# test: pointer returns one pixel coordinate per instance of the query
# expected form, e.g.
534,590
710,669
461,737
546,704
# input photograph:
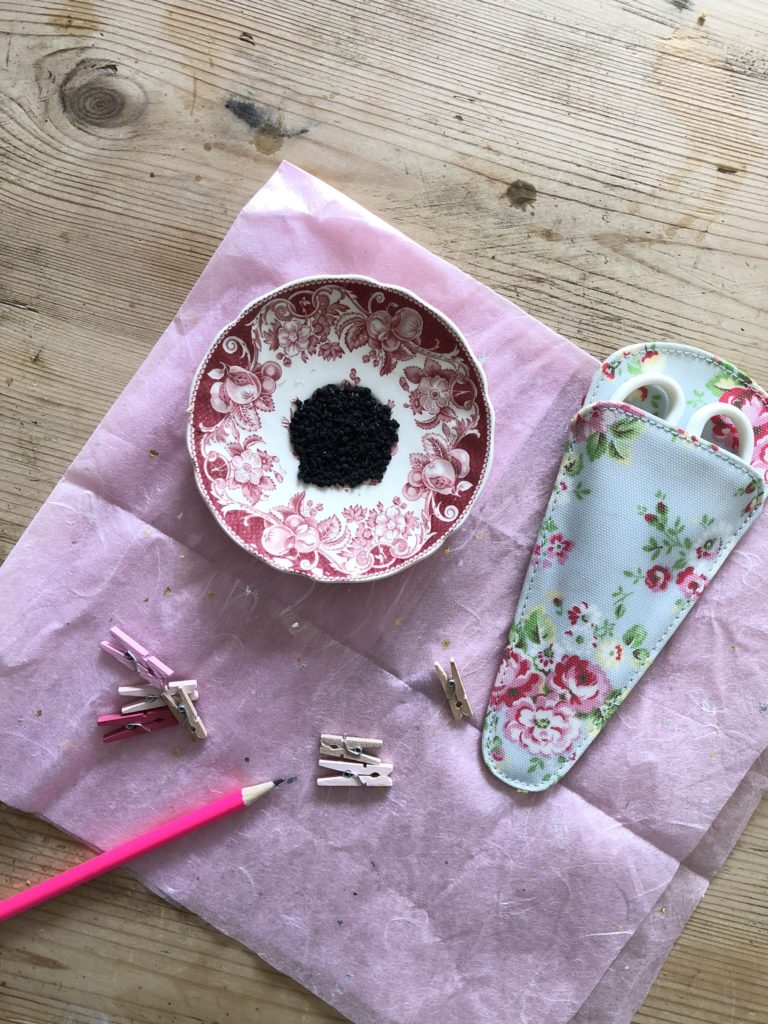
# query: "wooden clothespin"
126,726
453,688
351,773
151,697
130,652
183,710
351,747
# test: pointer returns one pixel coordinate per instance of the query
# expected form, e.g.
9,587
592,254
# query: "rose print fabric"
705,378
641,517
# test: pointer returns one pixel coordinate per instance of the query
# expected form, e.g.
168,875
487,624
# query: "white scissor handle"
737,417
673,391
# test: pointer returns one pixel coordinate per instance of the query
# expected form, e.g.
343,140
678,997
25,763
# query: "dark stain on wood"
15,304
95,95
521,194
246,37
269,125
681,5
727,169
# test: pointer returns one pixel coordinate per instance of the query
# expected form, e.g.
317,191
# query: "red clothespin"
130,652
136,724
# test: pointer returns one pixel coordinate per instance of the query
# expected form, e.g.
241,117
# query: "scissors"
676,405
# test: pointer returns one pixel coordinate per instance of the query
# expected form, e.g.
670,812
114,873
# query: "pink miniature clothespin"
128,651
132,725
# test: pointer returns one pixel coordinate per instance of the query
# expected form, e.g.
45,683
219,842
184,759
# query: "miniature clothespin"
351,747
453,688
150,697
128,651
134,725
351,773
164,700
184,711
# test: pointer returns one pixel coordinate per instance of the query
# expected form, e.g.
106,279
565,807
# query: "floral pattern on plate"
327,330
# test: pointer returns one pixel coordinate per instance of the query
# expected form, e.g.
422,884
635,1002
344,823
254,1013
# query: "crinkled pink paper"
449,898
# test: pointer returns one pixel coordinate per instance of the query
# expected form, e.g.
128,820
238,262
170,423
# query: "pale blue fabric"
641,517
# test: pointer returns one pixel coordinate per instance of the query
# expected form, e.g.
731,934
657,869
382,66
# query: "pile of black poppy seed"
342,436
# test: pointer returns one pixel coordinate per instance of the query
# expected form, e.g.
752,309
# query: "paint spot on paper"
176,751
445,643
210,593
446,550
146,599
763,705
153,453
398,622
39,713
167,591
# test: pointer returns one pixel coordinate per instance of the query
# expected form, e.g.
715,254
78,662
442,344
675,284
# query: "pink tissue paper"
449,898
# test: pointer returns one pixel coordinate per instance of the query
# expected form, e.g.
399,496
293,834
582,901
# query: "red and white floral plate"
323,330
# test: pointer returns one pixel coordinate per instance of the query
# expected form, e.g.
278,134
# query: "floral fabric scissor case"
663,471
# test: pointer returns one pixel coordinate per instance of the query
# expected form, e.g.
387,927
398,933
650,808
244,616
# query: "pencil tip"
278,782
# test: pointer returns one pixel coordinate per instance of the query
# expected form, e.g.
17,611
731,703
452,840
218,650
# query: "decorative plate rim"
483,396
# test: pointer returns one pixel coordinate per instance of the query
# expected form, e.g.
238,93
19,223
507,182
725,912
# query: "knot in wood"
95,95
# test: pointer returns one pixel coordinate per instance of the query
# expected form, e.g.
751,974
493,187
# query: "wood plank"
603,164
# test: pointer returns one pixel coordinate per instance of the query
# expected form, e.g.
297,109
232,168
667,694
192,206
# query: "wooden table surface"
602,163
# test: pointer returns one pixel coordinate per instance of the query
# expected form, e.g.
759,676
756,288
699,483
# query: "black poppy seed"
343,436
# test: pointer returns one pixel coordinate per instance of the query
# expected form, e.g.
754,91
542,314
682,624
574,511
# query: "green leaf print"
573,462
724,381
536,765
597,445
634,636
620,451
581,491
516,637
539,628
627,427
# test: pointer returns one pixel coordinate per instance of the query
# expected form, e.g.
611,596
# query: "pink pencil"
133,848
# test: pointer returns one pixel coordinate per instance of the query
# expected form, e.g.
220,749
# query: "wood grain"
601,163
